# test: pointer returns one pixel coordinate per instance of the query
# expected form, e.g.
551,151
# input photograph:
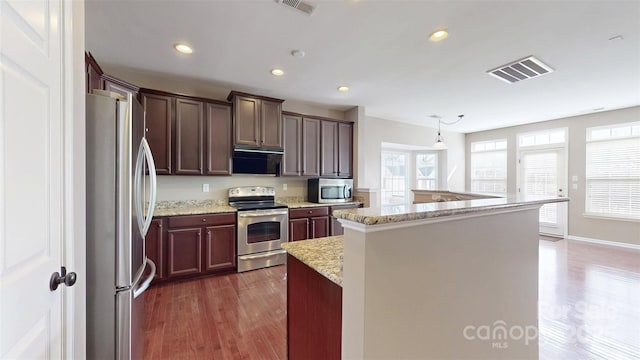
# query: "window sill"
609,217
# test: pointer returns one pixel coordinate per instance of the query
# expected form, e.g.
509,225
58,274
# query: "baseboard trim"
604,242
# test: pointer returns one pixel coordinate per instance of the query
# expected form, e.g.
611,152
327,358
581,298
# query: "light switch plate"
205,187
574,178
574,186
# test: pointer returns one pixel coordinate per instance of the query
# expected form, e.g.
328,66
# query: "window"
489,166
542,138
613,170
395,182
426,171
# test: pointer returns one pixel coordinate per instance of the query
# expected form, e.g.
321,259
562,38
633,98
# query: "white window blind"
489,166
613,171
394,186
427,171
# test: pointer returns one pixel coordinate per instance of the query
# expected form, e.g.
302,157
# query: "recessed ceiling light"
438,35
343,88
277,72
183,48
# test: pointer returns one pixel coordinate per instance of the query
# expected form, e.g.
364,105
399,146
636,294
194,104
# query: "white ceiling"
380,50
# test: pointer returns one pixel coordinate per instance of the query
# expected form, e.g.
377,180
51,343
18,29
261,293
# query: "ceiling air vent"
305,7
524,69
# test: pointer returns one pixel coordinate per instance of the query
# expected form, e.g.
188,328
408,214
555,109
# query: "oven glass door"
262,230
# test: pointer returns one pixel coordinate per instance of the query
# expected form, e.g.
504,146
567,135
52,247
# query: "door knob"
64,278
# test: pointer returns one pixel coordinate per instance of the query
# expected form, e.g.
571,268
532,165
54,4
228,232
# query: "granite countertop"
197,207
400,213
323,255
306,204
191,207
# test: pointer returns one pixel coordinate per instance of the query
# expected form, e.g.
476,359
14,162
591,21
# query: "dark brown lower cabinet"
319,227
314,314
200,244
220,249
298,229
308,223
154,243
184,252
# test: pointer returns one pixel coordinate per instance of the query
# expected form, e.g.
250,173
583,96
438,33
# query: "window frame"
612,138
473,150
436,166
407,182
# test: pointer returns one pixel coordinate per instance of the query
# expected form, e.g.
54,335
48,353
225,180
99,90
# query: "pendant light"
439,144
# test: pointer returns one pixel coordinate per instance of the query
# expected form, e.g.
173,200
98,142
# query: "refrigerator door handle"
145,285
152,183
144,220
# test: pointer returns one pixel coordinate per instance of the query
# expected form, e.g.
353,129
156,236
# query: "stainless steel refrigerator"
121,188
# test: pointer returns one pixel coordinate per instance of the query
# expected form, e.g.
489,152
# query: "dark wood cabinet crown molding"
89,59
323,118
120,82
260,97
184,96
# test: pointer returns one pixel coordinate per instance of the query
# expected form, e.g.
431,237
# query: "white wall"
579,225
372,132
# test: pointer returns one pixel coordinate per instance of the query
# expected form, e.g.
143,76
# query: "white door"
32,216
543,173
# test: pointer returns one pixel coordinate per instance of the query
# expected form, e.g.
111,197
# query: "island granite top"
401,213
323,255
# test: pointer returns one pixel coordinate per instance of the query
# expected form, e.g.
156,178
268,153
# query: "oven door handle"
259,256
260,214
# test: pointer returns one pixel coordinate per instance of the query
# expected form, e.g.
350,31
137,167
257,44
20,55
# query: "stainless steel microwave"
330,190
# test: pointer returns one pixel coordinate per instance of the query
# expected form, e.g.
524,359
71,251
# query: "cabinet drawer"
308,212
202,220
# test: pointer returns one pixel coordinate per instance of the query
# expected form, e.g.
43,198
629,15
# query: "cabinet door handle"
204,220
307,228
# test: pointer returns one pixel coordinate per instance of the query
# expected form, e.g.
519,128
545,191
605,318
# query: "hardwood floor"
236,316
589,309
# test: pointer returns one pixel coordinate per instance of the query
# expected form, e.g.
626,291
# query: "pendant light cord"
451,123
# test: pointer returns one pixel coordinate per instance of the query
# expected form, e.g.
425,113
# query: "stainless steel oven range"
263,225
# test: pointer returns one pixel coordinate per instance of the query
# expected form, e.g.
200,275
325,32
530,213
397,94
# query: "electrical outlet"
574,186
205,187
574,178
284,187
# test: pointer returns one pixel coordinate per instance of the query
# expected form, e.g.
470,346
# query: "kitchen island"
446,280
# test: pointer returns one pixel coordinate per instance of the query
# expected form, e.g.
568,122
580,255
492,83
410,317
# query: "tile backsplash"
190,187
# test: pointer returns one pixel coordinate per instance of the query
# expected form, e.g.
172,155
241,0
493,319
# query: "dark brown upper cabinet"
218,139
301,138
93,73
257,121
336,149
310,147
329,148
159,118
292,141
189,148
345,149
116,85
